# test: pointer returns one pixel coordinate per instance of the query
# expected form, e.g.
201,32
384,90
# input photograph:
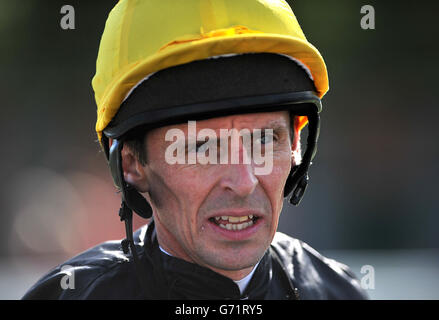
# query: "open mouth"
234,223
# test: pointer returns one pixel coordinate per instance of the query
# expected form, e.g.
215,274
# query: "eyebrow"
276,125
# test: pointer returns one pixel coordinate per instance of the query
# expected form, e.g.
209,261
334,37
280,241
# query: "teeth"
236,226
235,223
235,219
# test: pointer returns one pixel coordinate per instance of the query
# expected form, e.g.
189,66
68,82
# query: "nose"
240,179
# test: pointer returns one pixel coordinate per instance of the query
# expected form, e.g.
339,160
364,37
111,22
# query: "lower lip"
236,235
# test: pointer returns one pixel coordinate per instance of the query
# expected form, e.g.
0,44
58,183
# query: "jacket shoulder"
316,276
90,275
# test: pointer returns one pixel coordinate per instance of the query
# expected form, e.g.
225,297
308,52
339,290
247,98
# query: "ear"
296,150
133,170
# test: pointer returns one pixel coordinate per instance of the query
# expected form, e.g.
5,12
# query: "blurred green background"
374,181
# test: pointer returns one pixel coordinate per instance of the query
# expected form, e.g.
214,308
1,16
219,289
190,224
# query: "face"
222,216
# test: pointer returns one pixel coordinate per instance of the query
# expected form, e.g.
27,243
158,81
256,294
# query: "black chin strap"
126,215
298,179
131,200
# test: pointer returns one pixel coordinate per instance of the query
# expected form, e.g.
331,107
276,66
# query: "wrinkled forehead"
279,120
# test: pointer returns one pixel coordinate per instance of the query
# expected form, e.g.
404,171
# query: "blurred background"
373,193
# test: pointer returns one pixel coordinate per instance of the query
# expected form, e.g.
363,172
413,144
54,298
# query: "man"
200,108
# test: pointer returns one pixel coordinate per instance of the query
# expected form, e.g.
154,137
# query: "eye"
266,138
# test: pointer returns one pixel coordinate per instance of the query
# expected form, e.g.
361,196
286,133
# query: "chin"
234,258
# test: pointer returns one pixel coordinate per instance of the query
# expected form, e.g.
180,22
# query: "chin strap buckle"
299,190
125,214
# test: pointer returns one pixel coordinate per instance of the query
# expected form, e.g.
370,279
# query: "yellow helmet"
143,37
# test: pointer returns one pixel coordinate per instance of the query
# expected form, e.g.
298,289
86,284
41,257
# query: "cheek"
281,168
178,192
274,183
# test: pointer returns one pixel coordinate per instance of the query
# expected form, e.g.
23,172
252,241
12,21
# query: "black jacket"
290,269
